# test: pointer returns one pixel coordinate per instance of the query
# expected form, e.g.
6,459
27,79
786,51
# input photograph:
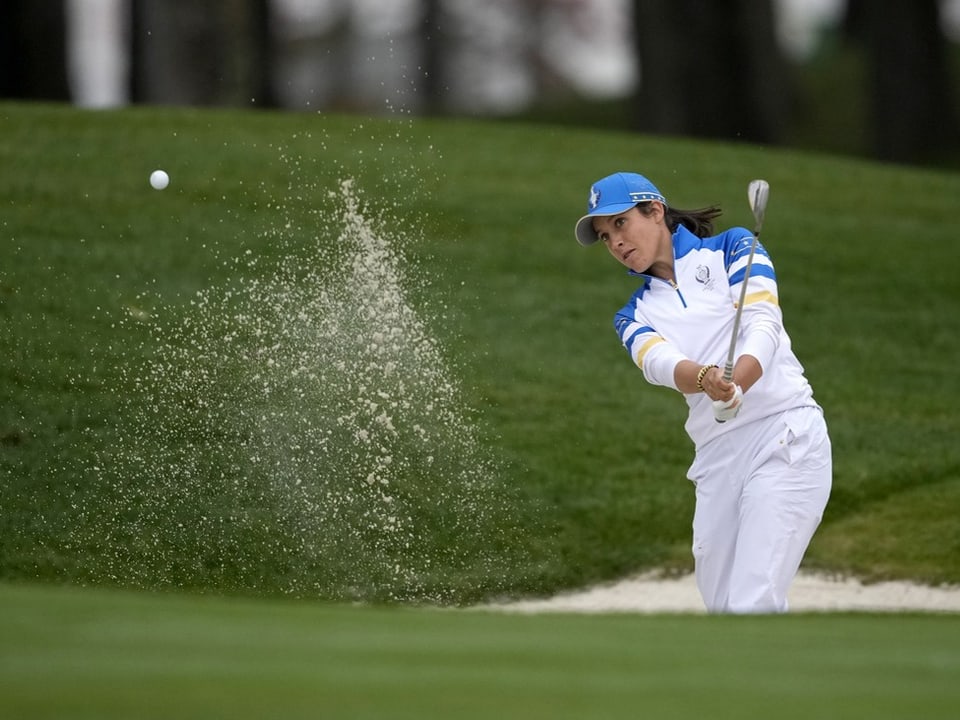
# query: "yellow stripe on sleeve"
645,348
762,296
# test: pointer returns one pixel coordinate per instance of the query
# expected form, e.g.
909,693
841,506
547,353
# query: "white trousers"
761,490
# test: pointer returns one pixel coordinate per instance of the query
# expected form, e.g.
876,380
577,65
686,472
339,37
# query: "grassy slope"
97,654
865,261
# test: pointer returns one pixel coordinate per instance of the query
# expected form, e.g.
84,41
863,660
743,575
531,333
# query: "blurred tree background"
862,77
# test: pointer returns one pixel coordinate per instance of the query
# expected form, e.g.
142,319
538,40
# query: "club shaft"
728,366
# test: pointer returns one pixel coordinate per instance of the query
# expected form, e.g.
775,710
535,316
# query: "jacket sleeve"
762,321
656,357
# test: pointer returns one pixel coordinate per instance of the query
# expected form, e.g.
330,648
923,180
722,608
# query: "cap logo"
594,198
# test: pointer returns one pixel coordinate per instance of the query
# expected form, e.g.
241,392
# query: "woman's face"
635,239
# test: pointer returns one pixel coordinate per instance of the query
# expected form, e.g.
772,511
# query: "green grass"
149,440
96,654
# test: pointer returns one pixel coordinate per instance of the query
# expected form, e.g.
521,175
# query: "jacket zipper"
679,294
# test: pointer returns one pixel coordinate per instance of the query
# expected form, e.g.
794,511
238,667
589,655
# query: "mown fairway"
95,654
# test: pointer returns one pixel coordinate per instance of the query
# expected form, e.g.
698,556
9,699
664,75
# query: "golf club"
757,193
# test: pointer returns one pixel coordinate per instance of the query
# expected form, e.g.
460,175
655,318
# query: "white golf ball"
159,179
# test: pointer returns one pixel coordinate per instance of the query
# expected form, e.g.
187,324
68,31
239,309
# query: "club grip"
728,371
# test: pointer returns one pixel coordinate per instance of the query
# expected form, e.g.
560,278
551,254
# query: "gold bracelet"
702,374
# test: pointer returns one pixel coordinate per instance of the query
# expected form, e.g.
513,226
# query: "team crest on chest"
702,276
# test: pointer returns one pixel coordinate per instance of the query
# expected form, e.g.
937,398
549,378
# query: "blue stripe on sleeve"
633,336
736,244
741,250
756,271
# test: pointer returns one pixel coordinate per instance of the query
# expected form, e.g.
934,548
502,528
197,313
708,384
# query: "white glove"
724,410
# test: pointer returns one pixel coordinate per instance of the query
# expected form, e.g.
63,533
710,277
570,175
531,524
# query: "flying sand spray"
304,418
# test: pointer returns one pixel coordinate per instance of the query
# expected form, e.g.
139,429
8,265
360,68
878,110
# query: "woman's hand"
716,387
724,410
727,395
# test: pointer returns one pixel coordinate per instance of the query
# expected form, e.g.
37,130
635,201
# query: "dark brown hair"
699,222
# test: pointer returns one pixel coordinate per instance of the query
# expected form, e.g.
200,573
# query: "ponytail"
699,222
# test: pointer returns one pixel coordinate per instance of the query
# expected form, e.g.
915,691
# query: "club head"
758,191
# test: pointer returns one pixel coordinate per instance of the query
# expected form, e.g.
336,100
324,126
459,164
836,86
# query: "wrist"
702,374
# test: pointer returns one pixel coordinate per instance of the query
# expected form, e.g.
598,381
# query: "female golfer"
762,467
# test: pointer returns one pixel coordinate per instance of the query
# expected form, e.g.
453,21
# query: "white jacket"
665,323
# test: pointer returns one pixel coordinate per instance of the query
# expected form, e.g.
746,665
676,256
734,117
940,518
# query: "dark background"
879,82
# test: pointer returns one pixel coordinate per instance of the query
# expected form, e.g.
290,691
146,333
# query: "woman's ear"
657,210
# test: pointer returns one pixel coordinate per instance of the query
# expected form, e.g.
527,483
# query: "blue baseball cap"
613,195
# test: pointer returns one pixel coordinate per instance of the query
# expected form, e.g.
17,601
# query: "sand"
651,593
